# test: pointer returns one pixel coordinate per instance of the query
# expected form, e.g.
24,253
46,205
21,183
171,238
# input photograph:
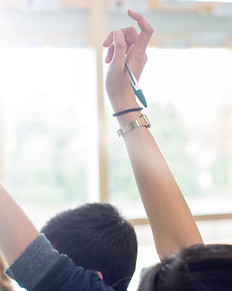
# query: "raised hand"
126,45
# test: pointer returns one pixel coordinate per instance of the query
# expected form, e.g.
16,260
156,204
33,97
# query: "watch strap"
141,121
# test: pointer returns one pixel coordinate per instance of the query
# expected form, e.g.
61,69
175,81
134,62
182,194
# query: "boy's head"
96,237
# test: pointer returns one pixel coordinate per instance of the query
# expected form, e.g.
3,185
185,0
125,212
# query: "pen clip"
135,86
131,76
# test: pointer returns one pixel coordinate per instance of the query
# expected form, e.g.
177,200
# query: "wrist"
141,121
122,105
128,111
123,101
126,118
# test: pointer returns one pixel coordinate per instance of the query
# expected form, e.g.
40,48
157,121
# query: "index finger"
146,30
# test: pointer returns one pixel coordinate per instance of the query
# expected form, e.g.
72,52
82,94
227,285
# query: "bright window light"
219,1
189,104
49,108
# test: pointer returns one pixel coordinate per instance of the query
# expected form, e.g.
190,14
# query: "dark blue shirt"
42,268
65,275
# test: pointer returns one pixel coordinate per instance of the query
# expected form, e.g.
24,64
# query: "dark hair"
96,237
197,268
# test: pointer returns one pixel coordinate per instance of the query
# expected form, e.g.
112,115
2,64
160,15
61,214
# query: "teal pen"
135,86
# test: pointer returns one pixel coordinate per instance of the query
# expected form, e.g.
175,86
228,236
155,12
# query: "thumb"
119,50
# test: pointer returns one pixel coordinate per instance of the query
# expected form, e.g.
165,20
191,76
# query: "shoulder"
66,276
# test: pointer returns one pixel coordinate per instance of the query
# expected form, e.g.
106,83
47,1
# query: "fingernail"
118,34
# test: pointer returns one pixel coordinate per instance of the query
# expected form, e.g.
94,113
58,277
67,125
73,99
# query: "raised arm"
171,221
16,230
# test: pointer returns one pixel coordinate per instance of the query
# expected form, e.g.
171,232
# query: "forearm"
170,218
16,230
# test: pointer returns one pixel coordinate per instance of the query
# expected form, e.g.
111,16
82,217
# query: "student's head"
98,238
197,268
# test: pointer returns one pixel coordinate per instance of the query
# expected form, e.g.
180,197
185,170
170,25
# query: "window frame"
98,12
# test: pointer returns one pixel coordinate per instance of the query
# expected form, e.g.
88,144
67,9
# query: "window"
189,94
50,127
50,120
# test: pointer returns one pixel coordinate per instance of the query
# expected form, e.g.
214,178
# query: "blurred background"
58,141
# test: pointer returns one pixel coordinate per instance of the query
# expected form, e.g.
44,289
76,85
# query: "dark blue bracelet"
127,111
